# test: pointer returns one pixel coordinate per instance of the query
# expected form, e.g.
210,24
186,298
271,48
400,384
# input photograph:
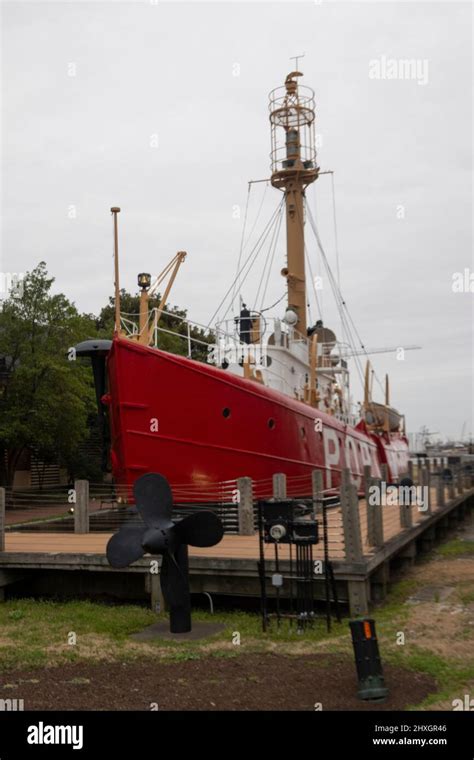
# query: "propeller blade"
202,528
153,498
125,546
174,582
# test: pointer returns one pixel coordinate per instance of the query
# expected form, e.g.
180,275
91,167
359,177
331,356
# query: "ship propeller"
162,535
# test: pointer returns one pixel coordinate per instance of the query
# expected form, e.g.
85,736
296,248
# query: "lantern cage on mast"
292,119
294,167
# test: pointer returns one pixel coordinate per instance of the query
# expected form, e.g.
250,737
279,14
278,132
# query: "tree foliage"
45,399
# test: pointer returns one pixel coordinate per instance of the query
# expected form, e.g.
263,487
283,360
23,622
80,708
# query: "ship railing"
266,327
228,337
263,328
129,324
190,339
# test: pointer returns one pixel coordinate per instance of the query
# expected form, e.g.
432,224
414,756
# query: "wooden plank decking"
231,566
231,546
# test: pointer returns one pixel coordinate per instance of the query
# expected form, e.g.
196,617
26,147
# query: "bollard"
367,657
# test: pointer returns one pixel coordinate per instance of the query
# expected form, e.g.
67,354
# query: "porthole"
226,412
271,423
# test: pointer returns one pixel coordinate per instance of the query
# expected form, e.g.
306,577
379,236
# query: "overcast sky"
87,86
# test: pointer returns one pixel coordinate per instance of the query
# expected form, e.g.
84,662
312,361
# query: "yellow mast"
293,168
115,210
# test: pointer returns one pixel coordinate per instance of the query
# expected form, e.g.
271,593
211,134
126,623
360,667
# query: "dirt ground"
246,682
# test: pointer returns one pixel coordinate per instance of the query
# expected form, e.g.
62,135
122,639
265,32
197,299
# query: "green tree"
45,398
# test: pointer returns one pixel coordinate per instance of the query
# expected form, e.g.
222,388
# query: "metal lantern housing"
292,119
144,280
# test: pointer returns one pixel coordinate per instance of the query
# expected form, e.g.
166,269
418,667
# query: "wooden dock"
366,543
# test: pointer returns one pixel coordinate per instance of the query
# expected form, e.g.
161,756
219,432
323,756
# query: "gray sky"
168,69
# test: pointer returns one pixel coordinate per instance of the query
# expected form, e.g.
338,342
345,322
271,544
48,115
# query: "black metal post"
367,657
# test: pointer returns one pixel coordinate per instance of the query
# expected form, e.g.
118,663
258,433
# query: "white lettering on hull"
352,461
332,452
358,454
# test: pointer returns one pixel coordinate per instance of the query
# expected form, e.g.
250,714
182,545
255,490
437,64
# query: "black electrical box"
286,521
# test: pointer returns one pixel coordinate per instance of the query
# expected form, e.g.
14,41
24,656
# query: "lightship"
274,394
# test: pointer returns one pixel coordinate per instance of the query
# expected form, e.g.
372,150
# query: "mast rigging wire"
242,244
274,304
242,237
269,260
254,252
342,305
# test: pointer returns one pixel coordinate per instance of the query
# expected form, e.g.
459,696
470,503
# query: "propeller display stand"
164,536
180,614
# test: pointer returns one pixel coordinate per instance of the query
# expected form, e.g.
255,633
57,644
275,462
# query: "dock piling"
350,518
246,519
374,510
279,485
426,481
318,488
440,500
81,507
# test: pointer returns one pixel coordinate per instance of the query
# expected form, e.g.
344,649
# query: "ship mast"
115,210
294,167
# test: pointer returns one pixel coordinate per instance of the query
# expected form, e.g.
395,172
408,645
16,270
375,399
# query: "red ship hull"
202,428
